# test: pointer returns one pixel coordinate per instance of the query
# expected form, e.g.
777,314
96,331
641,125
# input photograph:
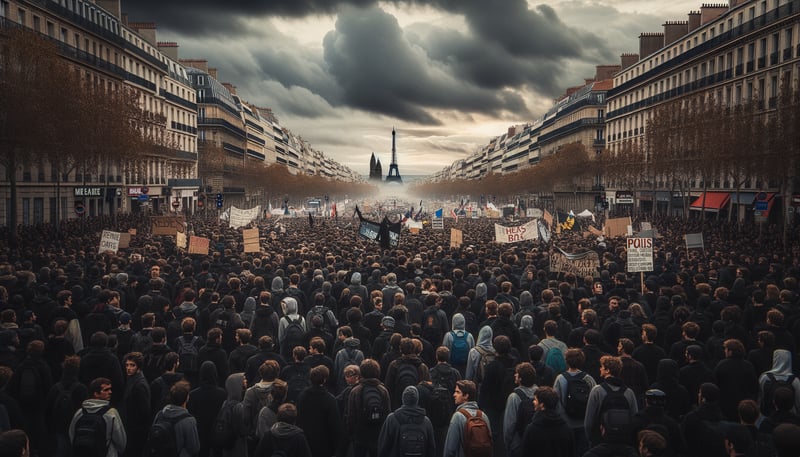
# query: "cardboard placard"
251,240
456,238
109,241
167,225
124,240
198,245
617,227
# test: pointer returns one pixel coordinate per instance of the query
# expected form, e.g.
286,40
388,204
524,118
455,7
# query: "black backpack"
224,434
292,335
161,440
187,352
29,385
406,375
614,400
577,395
770,386
63,408
90,437
525,411
440,405
431,328
411,439
296,383
373,411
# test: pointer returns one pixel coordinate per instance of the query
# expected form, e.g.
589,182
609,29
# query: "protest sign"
180,240
251,240
124,240
582,265
694,240
241,217
504,234
640,254
198,245
109,241
456,238
617,227
167,225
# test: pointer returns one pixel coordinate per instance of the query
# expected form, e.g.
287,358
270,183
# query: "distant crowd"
327,345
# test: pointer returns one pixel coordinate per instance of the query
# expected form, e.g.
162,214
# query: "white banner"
109,241
640,254
242,217
503,234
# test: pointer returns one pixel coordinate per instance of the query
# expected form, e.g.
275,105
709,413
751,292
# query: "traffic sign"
761,206
143,197
80,210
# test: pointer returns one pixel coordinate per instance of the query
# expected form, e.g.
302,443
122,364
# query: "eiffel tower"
394,173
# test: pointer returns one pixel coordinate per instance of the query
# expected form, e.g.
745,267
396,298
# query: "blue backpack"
555,360
460,348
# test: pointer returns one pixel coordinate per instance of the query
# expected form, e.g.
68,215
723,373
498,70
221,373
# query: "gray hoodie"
289,306
458,326
234,386
115,431
473,360
277,285
781,369
248,311
186,437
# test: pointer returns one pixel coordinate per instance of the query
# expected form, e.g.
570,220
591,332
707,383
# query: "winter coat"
548,434
204,403
286,437
389,440
474,357
115,430
234,386
187,437
318,416
454,442
781,369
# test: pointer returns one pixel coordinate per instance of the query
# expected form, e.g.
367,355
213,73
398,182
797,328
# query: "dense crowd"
324,344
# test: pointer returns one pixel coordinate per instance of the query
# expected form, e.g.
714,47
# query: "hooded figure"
277,293
482,348
291,328
781,371
678,397
284,437
350,354
234,386
357,289
204,403
248,311
393,441
459,341
527,337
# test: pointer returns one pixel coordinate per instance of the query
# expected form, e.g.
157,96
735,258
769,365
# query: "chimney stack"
694,20
603,72
709,12
200,64
628,60
146,30
650,43
112,6
169,49
674,31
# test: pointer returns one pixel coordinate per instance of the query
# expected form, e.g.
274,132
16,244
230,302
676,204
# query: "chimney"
735,3
112,6
674,30
231,88
694,20
709,12
147,30
603,72
650,43
169,49
213,73
200,64
627,60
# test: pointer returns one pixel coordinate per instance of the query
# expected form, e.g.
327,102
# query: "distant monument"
394,173
375,169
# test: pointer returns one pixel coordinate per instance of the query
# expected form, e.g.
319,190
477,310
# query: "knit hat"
387,322
124,318
410,396
352,342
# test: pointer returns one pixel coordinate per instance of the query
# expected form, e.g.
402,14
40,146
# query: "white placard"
109,241
528,231
640,254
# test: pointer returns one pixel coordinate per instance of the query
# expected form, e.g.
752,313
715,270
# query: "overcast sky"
447,74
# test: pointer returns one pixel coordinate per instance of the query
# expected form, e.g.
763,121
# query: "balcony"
773,58
751,65
787,54
762,62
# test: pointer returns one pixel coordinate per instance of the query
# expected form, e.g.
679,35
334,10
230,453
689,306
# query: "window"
3,8
51,29
21,16
38,210
26,211
37,23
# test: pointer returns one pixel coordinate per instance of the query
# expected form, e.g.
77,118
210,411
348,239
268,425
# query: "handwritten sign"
198,245
124,240
504,234
581,265
109,241
251,240
640,254
167,225
456,238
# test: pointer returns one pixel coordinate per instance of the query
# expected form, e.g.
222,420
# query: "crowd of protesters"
324,344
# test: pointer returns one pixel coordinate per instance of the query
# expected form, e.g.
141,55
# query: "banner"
640,254
582,265
251,240
694,240
241,217
369,230
534,213
544,232
109,241
167,225
198,245
456,238
513,234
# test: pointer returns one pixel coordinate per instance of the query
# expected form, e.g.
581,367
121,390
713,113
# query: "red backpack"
477,437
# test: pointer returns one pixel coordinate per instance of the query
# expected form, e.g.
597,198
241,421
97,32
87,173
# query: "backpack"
187,352
405,376
372,408
770,386
440,404
431,328
161,440
525,411
477,437
223,320
292,335
411,438
460,348
577,395
555,360
90,437
224,433
63,408
296,383
29,382
322,311
487,357
614,400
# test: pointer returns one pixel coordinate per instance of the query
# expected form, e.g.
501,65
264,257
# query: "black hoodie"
285,437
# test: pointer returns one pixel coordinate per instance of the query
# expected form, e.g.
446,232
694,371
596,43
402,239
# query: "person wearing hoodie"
99,399
204,403
284,437
277,294
356,288
235,386
159,388
407,430
135,410
187,308
350,354
781,371
464,396
678,397
265,317
318,414
291,328
248,311
257,397
58,415
610,372
478,306
482,349
515,410
409,369
390,290
187,431
459,341
213,352
547,434
237,360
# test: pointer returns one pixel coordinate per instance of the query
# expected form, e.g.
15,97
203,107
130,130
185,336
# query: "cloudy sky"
447,74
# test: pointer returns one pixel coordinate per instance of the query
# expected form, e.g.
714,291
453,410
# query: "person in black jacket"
547,434
30,384
97,361
318,414
237,360
701,426
205,402
391,440
285,436
135,410
497,385
266,351
212,352
736,378
60,416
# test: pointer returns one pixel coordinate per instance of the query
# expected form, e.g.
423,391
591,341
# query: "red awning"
714,201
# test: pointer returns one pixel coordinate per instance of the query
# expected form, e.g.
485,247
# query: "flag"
569,222
438,213
333,210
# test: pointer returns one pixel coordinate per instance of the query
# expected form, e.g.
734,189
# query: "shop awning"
713,201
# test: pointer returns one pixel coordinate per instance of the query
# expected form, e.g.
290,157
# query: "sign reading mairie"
88,191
